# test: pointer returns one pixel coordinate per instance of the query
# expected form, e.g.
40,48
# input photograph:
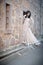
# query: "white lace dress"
28,36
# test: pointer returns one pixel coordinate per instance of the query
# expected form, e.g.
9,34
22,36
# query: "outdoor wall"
13,35
41,17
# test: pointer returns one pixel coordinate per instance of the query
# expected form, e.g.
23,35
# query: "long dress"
28,36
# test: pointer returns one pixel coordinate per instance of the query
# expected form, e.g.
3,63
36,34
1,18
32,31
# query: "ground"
28,56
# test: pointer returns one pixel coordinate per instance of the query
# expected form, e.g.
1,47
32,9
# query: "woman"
28,36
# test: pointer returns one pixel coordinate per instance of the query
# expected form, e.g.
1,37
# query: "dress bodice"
26,24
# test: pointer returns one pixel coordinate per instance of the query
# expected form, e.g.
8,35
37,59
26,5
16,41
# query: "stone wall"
13,35
41,17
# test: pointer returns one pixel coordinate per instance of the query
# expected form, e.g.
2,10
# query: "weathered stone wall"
13,35
35,9
41,17
2,16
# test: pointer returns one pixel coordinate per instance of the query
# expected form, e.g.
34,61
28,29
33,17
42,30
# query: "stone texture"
16,20
41,17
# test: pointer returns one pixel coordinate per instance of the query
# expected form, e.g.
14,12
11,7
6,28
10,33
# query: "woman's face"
28,14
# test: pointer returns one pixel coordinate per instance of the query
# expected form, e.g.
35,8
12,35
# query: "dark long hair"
25,13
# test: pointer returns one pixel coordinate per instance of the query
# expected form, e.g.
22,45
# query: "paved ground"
28,56
11,50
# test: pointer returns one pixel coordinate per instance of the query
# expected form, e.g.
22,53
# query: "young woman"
28,36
